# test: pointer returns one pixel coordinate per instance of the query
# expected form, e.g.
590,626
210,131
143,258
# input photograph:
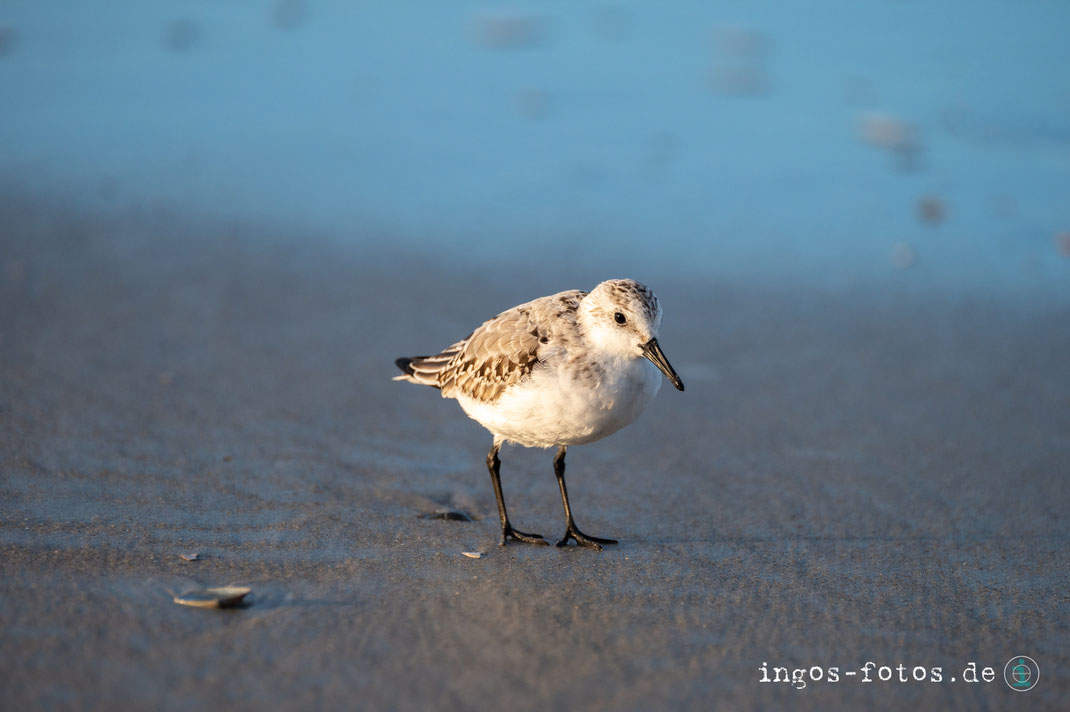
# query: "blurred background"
822,144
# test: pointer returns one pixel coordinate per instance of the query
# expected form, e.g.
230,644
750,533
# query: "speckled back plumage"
503,351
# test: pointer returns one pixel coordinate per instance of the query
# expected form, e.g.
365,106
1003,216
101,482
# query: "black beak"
653,352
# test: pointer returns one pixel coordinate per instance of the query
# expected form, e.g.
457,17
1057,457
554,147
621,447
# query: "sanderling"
562,370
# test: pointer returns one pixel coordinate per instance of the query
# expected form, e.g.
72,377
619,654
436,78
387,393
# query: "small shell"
190,557
473,554
216,597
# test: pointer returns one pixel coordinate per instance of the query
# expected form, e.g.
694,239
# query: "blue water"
726,140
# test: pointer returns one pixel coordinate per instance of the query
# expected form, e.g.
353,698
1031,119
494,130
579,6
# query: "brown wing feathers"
501,352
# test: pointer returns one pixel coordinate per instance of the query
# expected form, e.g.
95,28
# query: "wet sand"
850,476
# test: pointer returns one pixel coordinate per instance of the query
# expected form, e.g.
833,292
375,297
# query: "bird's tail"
429,370
419,369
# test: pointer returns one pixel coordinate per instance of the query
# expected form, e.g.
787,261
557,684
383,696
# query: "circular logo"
1021,673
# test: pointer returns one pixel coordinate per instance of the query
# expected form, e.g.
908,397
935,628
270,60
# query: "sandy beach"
851,477
221,223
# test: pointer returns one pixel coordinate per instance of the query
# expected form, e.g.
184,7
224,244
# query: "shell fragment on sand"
473,554
190,557
215,597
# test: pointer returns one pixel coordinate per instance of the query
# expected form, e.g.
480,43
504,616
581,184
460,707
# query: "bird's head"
622,317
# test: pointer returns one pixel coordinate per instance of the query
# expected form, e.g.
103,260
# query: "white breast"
560,406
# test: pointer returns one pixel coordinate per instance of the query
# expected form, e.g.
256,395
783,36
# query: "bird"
561,370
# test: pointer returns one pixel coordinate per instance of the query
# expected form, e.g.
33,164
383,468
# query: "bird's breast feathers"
573,405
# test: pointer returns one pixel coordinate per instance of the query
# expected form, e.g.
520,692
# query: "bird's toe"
581,539
524,537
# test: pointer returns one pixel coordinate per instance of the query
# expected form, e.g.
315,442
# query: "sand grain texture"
849,477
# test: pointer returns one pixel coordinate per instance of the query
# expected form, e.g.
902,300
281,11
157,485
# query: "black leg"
494,465
572,532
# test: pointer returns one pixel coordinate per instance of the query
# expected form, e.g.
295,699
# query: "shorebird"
562,370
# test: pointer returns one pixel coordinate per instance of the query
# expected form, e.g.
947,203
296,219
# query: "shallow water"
774,143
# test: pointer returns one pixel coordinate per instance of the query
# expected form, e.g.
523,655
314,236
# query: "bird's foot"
591,542
509,533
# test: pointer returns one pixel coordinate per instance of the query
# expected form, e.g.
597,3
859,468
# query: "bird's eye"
619,318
